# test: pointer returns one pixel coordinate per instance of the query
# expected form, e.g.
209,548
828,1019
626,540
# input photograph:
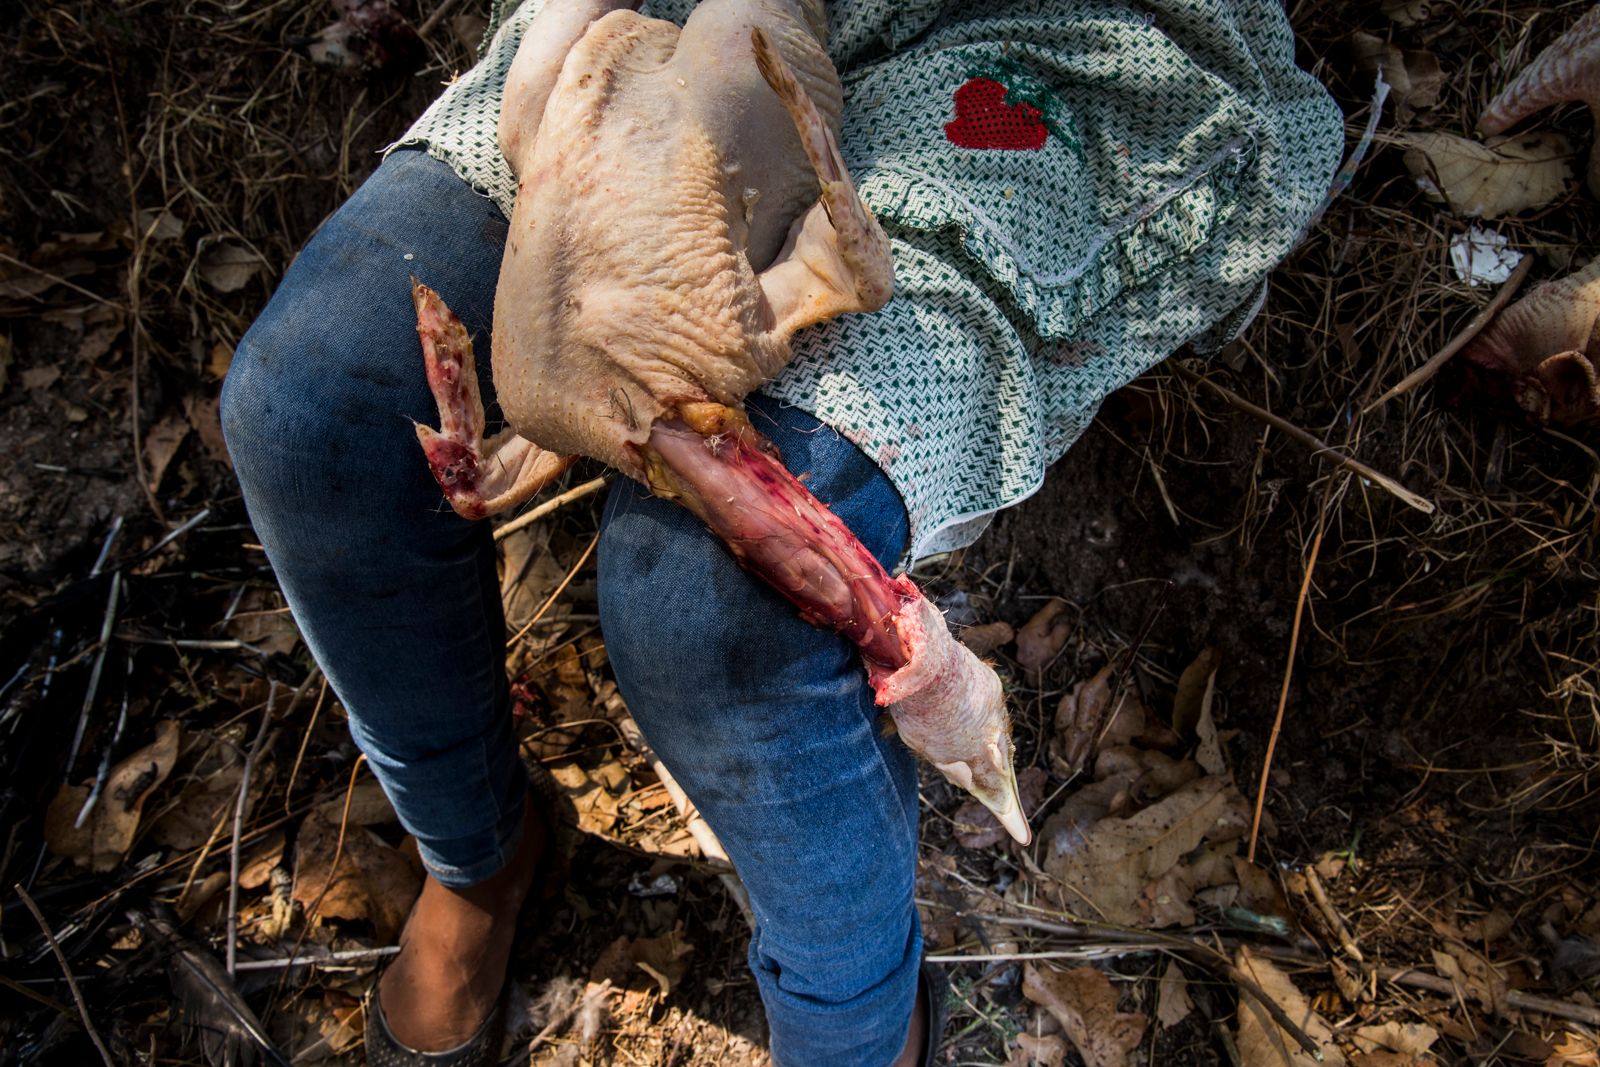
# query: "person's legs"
769,725
396,596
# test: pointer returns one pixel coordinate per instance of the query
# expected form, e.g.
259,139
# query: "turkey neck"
712,461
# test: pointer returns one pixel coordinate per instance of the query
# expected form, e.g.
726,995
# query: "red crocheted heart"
984,119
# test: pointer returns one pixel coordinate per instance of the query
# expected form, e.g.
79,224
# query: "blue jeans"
767,722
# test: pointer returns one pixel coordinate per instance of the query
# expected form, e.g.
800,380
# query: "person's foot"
455,948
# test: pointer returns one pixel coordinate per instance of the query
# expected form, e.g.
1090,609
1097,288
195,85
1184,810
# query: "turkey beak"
993,781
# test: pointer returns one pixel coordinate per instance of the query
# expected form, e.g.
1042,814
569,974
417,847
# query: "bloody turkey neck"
719,467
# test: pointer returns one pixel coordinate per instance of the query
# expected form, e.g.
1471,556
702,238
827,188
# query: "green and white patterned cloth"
1183,154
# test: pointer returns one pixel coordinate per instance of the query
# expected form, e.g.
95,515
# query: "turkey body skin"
645,211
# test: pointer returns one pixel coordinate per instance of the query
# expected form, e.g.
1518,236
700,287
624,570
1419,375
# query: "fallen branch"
72,983
1561,1009
1310,440
1501,297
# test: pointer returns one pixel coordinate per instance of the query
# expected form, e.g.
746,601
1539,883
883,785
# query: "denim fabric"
766,721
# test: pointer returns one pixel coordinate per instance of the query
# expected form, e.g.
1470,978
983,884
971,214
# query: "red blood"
984,119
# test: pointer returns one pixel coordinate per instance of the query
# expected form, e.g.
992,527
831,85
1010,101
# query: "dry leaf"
1193,684
369,806
1172,996
1410,1039
40,377
263,622
630,964
205,417
161,443
1049,1050
107,834
1575,1050
976,826
1081,722
188,822
596,807
1259,892
228,267
1414,77
1262,1043
1042,637
1119,856
1488,929
372,882
984,639
1165,901
260,861
1501,176
1085,1005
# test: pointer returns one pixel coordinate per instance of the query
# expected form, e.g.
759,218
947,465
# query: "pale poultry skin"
682,209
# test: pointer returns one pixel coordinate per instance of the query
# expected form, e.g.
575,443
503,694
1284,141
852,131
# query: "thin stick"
1283,693
238,827
57,279
1320,896
551,599
1310,440
527,519
305,738
72,983
353,955
99,665
104,773
1561,1009
434,19
1501,297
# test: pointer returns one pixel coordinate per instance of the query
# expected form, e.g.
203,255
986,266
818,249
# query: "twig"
1283,692
104,773
221,645
434,19
551,599
178,531
527,519
1501,297
1561,1009
72,983
57,279
1310,440
99,666
305,737
588,997
105,547
353,955
135,319
238,826
333,867
1144,941
1336,921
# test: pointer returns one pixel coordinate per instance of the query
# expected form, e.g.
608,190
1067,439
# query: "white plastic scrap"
1481,257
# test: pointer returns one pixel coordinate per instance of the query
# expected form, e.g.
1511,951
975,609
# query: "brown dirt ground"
1441,725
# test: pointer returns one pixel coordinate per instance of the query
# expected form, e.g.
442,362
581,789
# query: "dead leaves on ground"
1085,1004
100,839
1499,176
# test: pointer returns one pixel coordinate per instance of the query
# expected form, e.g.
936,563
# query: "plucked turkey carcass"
682,209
